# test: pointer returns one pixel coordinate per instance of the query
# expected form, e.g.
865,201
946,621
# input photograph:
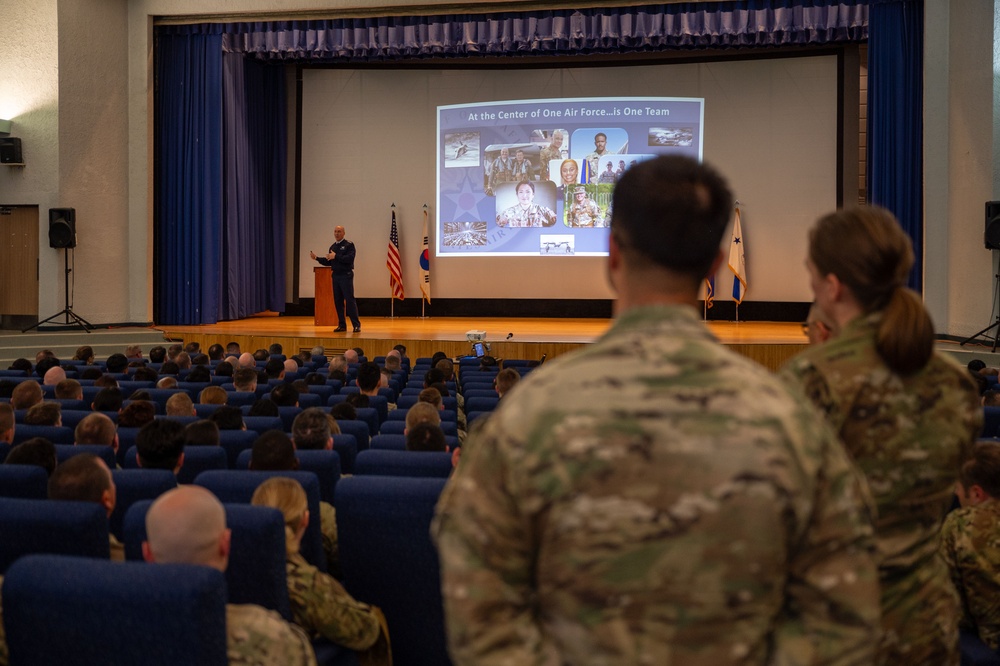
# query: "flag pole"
425,272
392,299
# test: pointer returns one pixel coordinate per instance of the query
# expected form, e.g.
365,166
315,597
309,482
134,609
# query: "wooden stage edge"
768,343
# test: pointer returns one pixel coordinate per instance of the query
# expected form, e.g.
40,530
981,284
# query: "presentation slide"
536,177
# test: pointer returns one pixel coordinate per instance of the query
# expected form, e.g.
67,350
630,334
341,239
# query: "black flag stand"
996,322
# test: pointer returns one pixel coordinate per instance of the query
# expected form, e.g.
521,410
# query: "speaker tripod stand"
996,323
68,310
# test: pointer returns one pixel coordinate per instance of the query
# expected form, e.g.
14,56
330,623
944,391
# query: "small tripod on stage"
996,322
68,310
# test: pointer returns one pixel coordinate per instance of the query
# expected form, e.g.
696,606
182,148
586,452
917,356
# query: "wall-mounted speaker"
62,227
10,150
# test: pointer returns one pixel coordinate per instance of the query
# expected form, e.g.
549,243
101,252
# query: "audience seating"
389,560
472,416
237,486
478,404
346,446
261,424
113,612
359,429
235,441
402,463
974,652
197,459
24,481
991,422
134,485
55,434
324,463
256,571
51,526
66,451
388,442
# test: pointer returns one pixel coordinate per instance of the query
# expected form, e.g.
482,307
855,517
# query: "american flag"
392,262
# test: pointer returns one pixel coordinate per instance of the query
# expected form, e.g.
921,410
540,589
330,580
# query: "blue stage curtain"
253,260
187,230
895,117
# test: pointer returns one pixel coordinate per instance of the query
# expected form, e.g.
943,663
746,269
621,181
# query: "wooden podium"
326,314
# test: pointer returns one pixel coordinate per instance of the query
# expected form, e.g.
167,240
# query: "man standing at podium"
341,259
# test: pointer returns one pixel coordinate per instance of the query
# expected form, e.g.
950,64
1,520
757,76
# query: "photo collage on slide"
536,178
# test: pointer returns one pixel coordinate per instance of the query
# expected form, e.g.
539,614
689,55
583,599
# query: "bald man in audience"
86,478
180,404
351,356
96,428
54,375
247,360
6,423
69,389
187,525
26,394
338,368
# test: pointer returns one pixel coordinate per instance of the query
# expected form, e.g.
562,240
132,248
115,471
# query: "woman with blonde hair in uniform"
907,415
320,604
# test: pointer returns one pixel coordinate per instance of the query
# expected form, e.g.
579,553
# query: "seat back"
24,481
66,451
238,486
33,526
234,441
388,559
55,434
169,614
389,442
133,485
256,570
324,463
403,463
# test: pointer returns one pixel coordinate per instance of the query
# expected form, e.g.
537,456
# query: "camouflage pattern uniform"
258,636
117,549
322,607
970,545
548,154
909,437
532,216
521,170
328,534
584,214
656,499
500,172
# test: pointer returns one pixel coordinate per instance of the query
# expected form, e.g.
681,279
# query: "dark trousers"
343,293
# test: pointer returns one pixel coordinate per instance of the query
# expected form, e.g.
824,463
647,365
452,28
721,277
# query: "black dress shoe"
340,329
357,329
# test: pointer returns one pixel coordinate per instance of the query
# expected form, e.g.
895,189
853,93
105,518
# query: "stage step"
105,341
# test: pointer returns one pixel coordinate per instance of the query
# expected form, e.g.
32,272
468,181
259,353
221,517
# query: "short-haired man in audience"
192,347
43,354
285,395
157,354
53,376
505,380
275,369
187,525
319,355
247,360
26,394
46,364
160,445
136,414
970,543
212,395
422,412
7,425
106,381
97,429
636,525
338,368
369,377
351,356
108,400
433,396
393,361
180,404
228,417
69,389
117,363
991,398
203,432
173,350
233,349
44,414
36,451
292,366
310,432
245,380
86,478
426,437
133,352
215,352
166,382
183,361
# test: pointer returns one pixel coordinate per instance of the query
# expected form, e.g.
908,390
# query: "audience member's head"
819,327
6,423
160,445
369,376
69,389
84,353
285,395
315,379
26,394
979,479
171,368
358,400
180,404
133,352
351,356
42,354
401,349
136,414
167,383
433,376
46,364
991,398
233,348
432,396
44,414
287,496
225,369
319,355
215,352
96,428
393,363
35,451
425,437
275,350
117,363
441,388
245,380
228,417
505,381
422,412
106,381
199,375
145,374
21,364
140,394
173,350
157,354
292,365
338,368
212,395
446,366
980,381
91,373
273,451
260,355
247,360
203,432
274,368
83,478
108,400
192,347
187,525
264,407
311,430
437,356
54,375
344,411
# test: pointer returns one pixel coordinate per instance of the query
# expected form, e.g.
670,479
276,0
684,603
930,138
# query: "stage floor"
770,343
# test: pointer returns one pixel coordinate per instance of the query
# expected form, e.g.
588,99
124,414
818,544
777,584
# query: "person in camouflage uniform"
654,498
907,415
501,171
970,543
526,213
521,168
551,152
320,604
584,212
187,525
